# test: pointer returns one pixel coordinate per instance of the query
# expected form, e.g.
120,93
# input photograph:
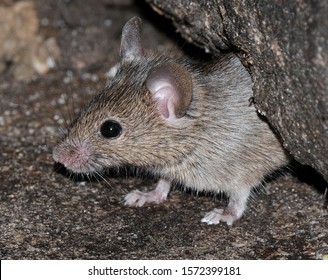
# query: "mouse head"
141,118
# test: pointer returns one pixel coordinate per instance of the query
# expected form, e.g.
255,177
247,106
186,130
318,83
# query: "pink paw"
158,195
138,198
220,215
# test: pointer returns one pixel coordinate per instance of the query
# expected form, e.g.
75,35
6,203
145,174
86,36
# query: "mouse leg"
234,210
159,194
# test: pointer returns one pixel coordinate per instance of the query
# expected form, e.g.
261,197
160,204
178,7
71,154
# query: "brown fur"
220,144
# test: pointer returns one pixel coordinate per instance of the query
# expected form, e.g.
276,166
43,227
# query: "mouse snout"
74,157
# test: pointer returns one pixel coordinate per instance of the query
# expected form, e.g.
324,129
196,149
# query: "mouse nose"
73,157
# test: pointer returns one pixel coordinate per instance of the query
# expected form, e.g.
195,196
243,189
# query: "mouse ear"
131,47
171,88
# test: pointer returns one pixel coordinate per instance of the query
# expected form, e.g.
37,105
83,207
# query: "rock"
23,52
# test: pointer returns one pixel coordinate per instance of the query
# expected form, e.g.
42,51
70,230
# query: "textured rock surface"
45,215
23,51
284,44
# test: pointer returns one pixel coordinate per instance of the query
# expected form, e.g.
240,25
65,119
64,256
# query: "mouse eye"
110,129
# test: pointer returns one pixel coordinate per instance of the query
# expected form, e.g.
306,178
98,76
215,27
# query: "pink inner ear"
165,94
165,101
171,87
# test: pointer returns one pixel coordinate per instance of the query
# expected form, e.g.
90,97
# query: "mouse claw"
138,198
158,195
219,215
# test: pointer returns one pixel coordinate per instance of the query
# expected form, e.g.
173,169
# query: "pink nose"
73,157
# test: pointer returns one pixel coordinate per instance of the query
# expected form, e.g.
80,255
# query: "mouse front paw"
138,198
220,215
158,195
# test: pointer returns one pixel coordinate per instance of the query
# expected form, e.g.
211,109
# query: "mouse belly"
235,180
237,192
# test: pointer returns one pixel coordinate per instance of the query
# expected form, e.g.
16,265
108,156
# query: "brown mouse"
188,123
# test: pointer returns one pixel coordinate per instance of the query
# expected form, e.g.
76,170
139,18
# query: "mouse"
186,122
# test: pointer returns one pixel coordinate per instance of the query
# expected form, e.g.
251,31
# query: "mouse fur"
185,122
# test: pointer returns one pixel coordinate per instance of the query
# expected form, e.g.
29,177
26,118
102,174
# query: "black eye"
110,129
